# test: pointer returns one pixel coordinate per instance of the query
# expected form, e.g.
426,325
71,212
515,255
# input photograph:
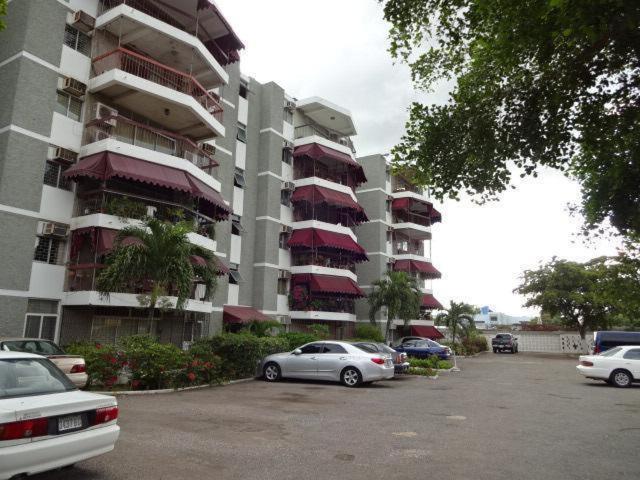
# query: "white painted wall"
236,248
286,214
56,204
75,64
287,131
283,304
47,281
65,132
232,297
241,155
238,200
243,110
284,259
287,172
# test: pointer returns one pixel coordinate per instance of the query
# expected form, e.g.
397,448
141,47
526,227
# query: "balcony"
168,97
323,262
310,130
417,227
327,115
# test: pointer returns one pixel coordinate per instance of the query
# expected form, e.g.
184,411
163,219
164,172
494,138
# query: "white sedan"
45,421
619,366
327,360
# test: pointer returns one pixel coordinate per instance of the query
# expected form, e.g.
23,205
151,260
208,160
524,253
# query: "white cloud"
338,50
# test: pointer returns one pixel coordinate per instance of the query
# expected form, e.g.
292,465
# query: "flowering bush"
104,362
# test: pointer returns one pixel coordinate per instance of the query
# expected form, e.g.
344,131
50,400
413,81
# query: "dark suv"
504,342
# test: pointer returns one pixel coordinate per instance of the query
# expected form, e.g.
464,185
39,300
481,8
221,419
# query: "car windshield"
611,352
41,347
23,377
386,349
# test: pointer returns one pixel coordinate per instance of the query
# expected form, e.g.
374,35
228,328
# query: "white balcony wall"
56,204
234,291
238,200
243,110
283,305
74,64
65,132
287,172
47,281
286,214
241,155
236,248
287,131
284,259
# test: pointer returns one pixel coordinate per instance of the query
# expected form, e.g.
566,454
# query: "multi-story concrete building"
117,110
397,236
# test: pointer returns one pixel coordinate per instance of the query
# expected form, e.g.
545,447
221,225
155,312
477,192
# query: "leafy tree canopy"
3,12
553,83
593,295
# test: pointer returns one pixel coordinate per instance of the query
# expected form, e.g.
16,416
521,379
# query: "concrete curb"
169,390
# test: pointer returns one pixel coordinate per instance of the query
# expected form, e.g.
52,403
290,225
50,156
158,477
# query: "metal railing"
149,69
129,131
310,130
342,262
320,304
412,218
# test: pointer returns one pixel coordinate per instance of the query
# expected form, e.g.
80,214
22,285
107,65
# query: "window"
41,347
24,377
234,276
243,90
288,116
69,106
41,319
333,348
633,354
388,206
287,156
285,197
236,226
77,40
283,239
242,133
48,250
238,178
312,348
53,175
283,286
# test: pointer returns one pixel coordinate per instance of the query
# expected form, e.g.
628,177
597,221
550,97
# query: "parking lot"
505,416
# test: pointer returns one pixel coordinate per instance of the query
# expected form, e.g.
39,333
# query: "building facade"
397,238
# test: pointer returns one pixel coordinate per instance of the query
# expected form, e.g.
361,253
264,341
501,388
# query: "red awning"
316,238
240,314
425,268
328,284
429,302
315,194
411,205
320,152
107,165
101,239
435,215
426,331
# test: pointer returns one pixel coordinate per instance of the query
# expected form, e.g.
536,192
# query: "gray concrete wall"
12,315
546,342
17,246
375,169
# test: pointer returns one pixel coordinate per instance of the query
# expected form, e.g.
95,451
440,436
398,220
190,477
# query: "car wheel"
621,378
495,350
271,372
351,377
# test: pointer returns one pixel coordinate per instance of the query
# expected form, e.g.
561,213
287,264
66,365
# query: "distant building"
489,319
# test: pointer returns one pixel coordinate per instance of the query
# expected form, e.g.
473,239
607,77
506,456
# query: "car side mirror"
297,351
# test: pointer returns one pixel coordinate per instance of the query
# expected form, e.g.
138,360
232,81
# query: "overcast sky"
338,50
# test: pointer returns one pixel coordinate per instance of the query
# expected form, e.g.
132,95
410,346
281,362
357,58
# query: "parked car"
45,421
424,349
504,342
618,366
400,363
73,366
335,361
603,341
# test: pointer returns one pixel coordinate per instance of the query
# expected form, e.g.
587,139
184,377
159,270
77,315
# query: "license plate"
69,423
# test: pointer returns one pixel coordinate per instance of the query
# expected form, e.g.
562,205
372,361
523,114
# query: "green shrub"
103,362
444,365
152,364
426,372
240,352
297,339
433,362
369,332
320,330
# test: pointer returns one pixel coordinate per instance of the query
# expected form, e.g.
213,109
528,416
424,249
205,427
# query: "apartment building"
396,238
117,110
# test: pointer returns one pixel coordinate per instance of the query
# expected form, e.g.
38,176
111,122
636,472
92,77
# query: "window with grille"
242,133
69,106
288,116
283,239
238,178
287,156
49,250
41,319
285,197
234,277
283,286
243,91
53,175
74,38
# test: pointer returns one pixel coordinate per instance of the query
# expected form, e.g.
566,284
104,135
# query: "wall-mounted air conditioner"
284,274
105,113
64,155
72,86
287,145
288,186
289,105
83,21
55,229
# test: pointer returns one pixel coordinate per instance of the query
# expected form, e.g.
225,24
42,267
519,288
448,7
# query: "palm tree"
159,258
458,315
398,292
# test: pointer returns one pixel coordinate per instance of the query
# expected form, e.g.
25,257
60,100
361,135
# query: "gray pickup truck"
504,342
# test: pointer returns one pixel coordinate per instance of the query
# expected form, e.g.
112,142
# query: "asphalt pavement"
503,416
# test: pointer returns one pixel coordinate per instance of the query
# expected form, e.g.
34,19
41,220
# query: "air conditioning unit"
286,229
285,320
73,86
64,155
83,21
105,113
208,148
288,186
284,274
55,229
343,141
287,145
289,105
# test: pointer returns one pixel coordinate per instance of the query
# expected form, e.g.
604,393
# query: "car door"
331,361
632,361
304,365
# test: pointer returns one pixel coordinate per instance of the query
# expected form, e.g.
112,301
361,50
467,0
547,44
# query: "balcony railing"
149,69
129,131
309,130
138,207
342,262
412,218
319,304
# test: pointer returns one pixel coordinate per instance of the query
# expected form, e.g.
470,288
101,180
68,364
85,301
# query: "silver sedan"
328,360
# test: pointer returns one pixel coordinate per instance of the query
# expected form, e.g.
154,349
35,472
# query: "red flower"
208,365
98,346
191,376
113,360
195,363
